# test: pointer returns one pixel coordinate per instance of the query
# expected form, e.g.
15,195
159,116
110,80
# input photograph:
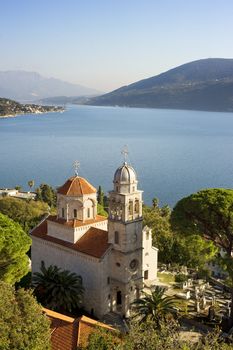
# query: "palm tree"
31,184
156,307
57,289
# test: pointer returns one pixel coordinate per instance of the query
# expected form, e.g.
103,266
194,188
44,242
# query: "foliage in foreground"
14,244
145,336
58,289
23,326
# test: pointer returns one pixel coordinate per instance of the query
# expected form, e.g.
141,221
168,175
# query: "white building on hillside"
113,256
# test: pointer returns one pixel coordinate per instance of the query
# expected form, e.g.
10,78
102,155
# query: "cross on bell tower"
125,153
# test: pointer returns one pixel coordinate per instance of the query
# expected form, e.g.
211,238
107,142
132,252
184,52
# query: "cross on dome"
76,167
125,153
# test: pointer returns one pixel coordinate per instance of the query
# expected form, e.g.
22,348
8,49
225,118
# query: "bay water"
174,152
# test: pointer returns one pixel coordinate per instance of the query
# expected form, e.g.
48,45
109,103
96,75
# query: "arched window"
136,206
75,213
116,237
63,212
130,208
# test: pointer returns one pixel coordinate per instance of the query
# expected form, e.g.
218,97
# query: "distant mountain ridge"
205,84
31,86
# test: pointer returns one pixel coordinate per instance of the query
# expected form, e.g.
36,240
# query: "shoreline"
22,114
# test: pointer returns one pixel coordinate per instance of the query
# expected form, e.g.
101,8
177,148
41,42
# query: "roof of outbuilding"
94,242
76,186
67,333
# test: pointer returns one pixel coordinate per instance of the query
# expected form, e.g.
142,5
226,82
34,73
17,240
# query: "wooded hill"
205,84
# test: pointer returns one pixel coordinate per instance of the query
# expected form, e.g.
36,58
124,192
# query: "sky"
105,44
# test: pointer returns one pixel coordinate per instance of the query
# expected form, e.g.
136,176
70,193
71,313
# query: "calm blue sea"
174,152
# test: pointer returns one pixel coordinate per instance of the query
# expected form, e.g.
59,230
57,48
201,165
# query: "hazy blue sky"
105,44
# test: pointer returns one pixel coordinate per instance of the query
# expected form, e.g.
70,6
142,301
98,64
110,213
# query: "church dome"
125,174
76,186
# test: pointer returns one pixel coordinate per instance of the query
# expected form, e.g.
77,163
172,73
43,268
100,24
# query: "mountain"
205,84
31,86
62,100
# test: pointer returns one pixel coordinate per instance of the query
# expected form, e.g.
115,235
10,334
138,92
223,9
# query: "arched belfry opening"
119,298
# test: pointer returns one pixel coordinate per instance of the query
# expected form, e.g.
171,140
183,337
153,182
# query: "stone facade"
113,256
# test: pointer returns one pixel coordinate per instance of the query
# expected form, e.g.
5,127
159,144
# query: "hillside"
62,100
30,86
199,85
9,108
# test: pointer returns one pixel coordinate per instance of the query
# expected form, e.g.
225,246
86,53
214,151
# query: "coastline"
28,113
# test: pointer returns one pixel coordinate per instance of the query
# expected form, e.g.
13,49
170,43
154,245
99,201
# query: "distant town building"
12,192
114,256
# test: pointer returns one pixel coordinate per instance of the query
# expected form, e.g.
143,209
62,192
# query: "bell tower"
125,234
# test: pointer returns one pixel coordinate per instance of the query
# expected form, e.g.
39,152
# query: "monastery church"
114,256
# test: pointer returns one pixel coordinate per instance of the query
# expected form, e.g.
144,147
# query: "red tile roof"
67,333
86,327
94,242
75,222
76,186
64,331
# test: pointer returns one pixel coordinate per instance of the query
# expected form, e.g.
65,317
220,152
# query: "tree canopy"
174,248
47,194
26,213
208,213
23,326
14,244
144,335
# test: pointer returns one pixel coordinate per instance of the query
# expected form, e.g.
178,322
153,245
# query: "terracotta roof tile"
86,327
94,242
64,331
76,186
75,222
67,333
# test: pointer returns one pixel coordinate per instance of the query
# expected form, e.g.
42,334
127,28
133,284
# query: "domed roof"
76,186
125,174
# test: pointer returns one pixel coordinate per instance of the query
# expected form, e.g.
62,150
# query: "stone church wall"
94,272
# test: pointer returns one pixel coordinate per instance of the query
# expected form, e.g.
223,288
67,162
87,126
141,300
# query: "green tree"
102,339
146,336
14,244
156,307
47,194
58,289
208,213
193,251
18,188
23,326
174,248
31,183
155,203
26,213
101,211
100,196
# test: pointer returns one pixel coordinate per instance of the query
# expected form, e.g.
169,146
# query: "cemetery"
207,302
